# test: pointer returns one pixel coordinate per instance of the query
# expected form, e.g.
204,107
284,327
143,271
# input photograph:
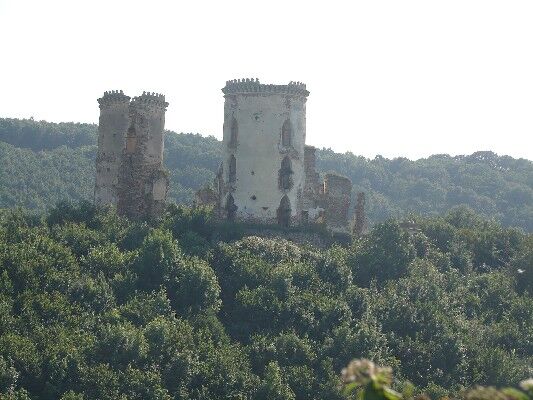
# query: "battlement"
113,97
151,98
253,86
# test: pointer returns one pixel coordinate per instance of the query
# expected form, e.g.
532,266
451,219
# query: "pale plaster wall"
259,152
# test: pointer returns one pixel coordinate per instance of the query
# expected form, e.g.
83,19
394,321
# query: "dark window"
285,174
234,131
220,180
286,133
231,208
305,217
284,211
232,169
131,129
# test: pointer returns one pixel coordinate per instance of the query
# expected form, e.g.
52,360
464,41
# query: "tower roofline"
113,96
151,98
253,86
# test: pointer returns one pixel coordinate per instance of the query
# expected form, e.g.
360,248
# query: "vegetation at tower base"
43,163
93,306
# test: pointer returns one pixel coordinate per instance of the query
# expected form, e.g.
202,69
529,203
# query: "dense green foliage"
95,307
45,162
364,380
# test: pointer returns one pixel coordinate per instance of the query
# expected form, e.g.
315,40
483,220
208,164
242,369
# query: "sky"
405,78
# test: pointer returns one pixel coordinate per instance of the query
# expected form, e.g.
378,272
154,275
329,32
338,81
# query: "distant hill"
45,162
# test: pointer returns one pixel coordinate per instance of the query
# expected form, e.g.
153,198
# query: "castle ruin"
129,163
268,173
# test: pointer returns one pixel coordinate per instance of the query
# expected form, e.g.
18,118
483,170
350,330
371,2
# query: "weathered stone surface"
268,174
337,196
359,225
130,170
207,197
112,127
264,138
312,197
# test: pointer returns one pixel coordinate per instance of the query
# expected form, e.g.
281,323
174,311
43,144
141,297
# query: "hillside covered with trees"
95,307
43,163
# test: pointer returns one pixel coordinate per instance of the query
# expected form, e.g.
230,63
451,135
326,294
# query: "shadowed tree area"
93,306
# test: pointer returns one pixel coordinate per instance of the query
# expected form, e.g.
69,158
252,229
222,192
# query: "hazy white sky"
396,78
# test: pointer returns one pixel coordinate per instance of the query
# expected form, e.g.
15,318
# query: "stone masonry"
268,173
336,201
112,126
129,165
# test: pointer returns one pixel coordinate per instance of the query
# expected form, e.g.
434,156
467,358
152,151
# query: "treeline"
95,307
42,135
44,163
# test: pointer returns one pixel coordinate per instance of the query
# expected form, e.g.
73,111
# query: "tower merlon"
152,98
113,97
252,86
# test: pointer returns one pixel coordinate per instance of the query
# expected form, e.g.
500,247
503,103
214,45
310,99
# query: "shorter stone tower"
129,171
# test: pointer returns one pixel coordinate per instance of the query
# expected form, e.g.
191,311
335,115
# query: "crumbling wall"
336,202
311,205
129,164
360,225
142,181
112,127
206,196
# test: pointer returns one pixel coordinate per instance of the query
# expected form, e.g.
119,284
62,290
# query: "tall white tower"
262,172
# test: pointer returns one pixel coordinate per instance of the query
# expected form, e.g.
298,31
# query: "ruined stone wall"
112,127
129,165
263,126
312,207
336,202
142,181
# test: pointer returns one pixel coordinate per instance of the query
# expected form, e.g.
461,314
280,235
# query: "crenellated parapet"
253,86
151,99
112,97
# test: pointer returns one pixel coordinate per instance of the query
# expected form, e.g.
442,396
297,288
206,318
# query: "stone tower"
262,171
142,181
112,127
129,165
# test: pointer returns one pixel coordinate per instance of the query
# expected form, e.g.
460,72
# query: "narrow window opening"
284,212
234,131
232,169
286,133
231,208
285,174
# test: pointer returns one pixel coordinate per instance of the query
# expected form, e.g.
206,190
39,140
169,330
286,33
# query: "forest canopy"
93,306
